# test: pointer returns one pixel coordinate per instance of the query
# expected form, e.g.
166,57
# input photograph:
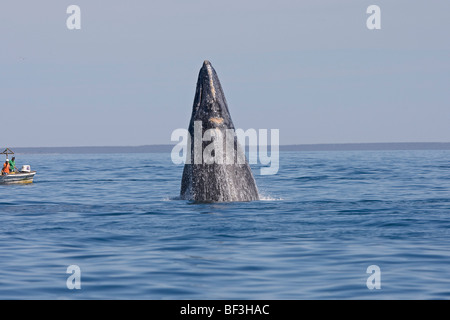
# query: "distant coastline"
166,148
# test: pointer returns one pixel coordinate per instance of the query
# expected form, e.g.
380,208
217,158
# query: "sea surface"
324,218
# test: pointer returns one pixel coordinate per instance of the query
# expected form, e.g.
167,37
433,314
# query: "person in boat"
5,170
12,165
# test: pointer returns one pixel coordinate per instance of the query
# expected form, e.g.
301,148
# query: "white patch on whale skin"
211,82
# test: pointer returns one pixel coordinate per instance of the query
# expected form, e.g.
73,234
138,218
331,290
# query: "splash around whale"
205,179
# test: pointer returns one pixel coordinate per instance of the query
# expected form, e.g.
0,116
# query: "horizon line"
162,148
287,144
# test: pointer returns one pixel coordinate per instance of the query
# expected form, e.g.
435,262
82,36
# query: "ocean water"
324,219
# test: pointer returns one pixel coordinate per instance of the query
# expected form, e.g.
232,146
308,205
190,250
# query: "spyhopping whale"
216,169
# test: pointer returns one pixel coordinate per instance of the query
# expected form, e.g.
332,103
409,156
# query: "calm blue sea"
324,219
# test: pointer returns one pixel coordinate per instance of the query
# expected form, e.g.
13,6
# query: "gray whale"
215,182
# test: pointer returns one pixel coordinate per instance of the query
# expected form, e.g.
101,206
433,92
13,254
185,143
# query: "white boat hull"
18,178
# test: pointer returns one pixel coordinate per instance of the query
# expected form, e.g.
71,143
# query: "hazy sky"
311,69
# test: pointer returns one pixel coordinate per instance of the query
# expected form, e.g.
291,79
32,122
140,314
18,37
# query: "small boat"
25,175
18,177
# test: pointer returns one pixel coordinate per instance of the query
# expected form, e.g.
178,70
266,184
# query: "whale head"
210,105
215,181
